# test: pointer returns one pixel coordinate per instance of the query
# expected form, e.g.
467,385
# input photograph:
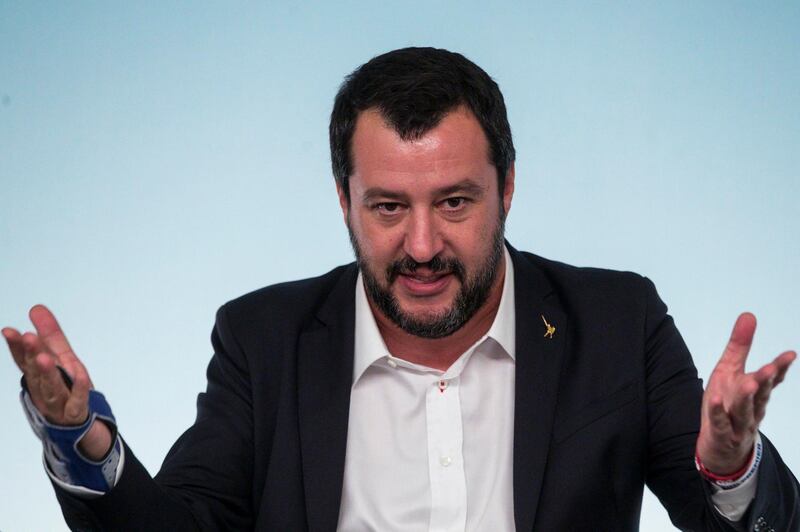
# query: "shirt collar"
370,347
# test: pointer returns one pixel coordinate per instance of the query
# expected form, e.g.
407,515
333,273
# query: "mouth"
422,284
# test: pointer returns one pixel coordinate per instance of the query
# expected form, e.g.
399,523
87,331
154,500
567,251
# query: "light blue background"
159,159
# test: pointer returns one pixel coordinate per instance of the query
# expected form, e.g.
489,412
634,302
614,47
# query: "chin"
426,315
425,307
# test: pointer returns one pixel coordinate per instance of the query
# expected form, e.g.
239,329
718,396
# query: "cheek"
472,241
378,243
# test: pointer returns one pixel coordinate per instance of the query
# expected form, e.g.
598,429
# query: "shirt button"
442,385
391,362
445,461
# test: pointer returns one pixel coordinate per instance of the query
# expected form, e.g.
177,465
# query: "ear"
508,189
343,203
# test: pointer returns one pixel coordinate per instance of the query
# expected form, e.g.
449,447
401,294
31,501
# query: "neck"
440,353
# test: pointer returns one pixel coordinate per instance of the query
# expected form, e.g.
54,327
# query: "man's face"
426,221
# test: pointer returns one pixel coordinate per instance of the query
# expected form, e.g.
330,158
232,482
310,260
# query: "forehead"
455,149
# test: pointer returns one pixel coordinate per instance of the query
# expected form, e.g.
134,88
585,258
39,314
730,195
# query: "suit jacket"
608,404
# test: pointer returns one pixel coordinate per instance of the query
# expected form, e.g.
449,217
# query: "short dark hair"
414,88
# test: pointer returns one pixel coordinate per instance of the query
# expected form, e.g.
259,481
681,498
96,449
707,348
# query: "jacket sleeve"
674,400
206,479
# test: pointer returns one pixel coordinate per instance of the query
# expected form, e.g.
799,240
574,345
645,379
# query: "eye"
454,204
387,208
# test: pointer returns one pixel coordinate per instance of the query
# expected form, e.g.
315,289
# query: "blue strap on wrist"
67,437
61,443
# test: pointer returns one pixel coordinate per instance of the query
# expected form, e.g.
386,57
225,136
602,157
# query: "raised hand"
735,402
39,356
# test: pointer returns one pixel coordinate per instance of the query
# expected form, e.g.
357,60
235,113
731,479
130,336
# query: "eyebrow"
466,186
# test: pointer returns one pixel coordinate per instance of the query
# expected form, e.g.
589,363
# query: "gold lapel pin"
551,329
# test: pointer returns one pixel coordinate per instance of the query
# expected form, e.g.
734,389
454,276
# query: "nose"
423,239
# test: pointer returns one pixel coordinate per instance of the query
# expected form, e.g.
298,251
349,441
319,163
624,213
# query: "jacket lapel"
324,375
538,367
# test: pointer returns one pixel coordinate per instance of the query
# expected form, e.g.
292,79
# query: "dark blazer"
608,404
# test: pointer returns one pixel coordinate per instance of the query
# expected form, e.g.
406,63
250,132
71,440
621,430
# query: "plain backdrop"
158,159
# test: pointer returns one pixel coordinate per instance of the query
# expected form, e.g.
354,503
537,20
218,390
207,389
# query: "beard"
471,296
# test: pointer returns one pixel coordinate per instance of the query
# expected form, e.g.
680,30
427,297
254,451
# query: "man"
443,382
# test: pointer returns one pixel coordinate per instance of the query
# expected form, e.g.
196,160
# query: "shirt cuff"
81,491
733,502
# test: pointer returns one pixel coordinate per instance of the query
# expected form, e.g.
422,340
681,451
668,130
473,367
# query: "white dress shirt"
429,450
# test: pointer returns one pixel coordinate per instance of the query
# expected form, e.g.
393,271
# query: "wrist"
711,475
97,442
736,478
82,456
723,456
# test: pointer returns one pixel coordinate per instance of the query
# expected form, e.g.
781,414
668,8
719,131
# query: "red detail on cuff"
713,477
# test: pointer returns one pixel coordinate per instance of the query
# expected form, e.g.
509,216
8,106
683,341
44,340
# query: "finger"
33,347
766,373
52,391
742,407
719,419
54,339
770,372
32,369
50,331
741,339
760,406
76,408
761,398
78,373
73,368
14,341
783,362
769,377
